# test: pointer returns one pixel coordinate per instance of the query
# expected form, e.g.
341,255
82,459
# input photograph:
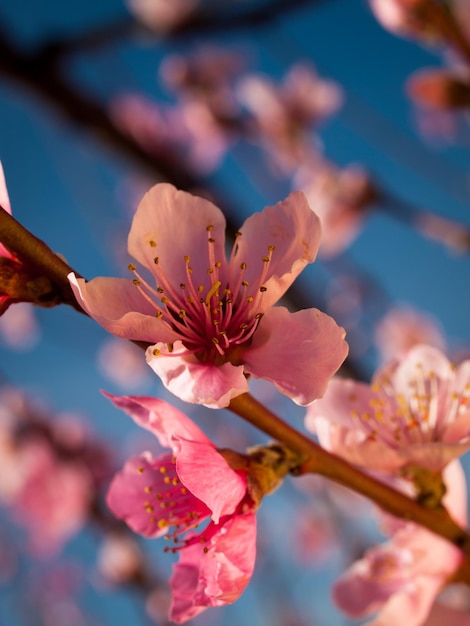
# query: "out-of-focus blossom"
49,472
439,89
402,328
402,578
414,414
19,329
162,15
283,115
119,558
54,499
212,321
188,132
341,198
404,17
172,495
442,614
452,234
142,120
206,76
121,362
206,119
203,141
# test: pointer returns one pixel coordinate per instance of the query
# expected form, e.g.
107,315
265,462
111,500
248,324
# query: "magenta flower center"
170,505
418,416
212,321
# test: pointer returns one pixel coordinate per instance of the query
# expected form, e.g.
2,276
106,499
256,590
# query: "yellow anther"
243,266
140,470
210,228
159,314
263,288
182,286
245,283
132,267
156,260
156,352
152,243
136,282
162,523
148,489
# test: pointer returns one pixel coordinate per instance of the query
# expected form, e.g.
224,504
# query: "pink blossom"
415,413
282,115
402,17
402,328
174,494
162,15
47,497
212,321
401,578
342,198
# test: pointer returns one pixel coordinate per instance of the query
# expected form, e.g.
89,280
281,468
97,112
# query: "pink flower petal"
299,352
216,573
208,476
294,229
201,469
117,305
171,224
195,381
165,421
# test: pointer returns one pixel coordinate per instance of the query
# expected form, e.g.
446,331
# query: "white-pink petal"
195,381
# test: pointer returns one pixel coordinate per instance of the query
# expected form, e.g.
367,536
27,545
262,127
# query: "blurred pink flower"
121,362
19,329
213,321
47,497
402,328
401,579
173,494
402,17
162,15
341,198
282,115
415,413
141,119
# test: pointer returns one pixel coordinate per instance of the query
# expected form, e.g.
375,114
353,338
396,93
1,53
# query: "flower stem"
314,459
35,254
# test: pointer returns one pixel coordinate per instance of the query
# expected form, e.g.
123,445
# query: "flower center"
211,320
418,416
170,505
